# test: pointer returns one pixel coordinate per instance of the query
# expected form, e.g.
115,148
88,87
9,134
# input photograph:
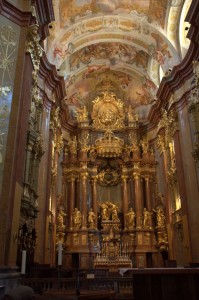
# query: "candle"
23,262
59,253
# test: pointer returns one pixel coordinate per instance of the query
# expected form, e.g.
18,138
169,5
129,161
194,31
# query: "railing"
116,284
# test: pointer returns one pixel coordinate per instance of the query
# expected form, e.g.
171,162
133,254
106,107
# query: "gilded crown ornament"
109,145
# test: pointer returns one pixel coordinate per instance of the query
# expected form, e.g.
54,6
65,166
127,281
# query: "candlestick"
59,253
23,262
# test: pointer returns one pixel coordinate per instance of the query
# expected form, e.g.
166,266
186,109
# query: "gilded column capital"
84,175
136,175
124,178
147,177
94,179
71,178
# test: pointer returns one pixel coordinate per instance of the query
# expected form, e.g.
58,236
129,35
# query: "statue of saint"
82,114
72,146
91,219
146,219
60,219
114,210
160,216
144,144
130,219
104,211
77,219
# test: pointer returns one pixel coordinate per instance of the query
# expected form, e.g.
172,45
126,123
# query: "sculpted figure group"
110,211
77,219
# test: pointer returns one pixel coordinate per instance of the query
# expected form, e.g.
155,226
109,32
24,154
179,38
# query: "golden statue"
77,219
82,114
145,146
60,219
131,115
109,209
72,146
130,219
104,211
160,216
91,219
114,210
146,219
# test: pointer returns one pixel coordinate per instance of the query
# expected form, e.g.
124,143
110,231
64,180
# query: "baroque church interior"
99,136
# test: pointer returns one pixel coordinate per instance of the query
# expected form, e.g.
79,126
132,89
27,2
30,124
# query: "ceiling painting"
121,46
114,53
72,10
153,43
133,91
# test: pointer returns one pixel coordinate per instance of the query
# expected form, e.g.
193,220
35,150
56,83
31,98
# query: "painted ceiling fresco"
120,46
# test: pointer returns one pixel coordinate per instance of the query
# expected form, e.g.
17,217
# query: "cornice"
45,13
46,102
12,13
49,75
68,127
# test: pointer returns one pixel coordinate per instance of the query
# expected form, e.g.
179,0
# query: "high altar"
115,215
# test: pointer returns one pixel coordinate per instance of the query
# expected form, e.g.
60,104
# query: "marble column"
94,197
84,177
148,192
71,199
138,200
125,196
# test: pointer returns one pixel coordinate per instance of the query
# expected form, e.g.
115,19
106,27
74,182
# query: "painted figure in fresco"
77,219
94,68
130,219
91,219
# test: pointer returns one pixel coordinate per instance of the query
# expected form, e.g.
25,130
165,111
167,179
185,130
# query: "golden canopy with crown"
109,145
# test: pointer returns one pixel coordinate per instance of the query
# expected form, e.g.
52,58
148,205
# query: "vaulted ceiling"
124,46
